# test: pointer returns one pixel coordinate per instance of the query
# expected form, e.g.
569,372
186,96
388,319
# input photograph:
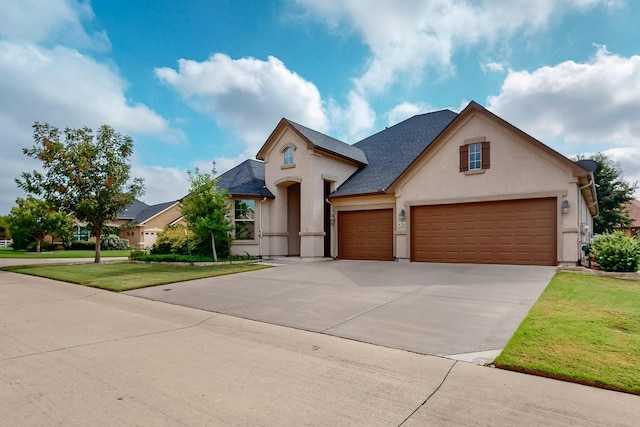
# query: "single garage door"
500,232
366,235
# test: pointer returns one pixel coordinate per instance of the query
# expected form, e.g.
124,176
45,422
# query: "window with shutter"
475,157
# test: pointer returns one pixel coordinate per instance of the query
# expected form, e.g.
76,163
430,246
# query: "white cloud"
247,96
66,88
405,110
405,38
354,121
585,105
57,84
629,158
495,67
162,184
57,21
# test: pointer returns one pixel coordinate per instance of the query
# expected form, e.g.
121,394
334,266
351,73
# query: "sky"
200,81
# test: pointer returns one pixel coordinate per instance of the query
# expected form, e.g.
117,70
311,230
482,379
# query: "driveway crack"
430,396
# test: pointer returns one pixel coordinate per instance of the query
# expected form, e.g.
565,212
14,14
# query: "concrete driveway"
460,311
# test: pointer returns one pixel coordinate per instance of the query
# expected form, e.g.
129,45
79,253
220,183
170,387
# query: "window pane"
288,156
475,156
244,209
245,230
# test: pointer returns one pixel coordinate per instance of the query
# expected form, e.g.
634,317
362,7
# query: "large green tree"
5,232
206,210
614,192
85,174
35,219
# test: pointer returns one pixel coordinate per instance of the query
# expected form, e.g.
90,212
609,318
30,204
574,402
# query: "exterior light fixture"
565,207
332,219
401,216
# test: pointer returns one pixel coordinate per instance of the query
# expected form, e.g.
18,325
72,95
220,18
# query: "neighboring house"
633,209
438,187
140,223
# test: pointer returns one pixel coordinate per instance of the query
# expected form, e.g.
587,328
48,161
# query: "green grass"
124,276
10,253
584,329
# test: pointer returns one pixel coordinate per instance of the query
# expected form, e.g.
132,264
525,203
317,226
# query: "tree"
613,191
206,210
5,232
85,175
35,219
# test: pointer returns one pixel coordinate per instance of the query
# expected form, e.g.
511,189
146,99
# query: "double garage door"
498,232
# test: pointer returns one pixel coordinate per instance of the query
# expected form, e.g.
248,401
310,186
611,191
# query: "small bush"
175,240
81,245
44,247
616,252
113,242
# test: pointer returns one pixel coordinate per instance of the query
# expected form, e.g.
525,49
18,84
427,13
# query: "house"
633,210
438,187
140,223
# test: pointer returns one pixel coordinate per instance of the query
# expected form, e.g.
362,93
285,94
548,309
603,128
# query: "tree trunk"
213,246
38,246
98,237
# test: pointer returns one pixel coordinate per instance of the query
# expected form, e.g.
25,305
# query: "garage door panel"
500,232
366,235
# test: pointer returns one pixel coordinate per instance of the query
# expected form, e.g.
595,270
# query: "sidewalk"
73,355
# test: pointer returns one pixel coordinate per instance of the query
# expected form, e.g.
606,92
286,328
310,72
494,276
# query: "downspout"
260,228
580,188
331,225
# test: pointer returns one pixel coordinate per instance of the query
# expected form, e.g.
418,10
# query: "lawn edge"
565,378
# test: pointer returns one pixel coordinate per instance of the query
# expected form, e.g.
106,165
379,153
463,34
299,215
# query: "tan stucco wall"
310,169
518,170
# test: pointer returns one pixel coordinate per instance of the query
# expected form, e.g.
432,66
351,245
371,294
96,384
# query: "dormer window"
288,156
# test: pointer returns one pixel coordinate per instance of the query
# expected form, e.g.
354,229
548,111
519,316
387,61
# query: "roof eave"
371,193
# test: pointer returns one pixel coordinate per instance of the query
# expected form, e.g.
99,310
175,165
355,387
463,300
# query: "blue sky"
200,81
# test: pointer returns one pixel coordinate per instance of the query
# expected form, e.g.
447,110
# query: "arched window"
288,156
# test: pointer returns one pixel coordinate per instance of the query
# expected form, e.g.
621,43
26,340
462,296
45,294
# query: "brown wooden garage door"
501,232
366,235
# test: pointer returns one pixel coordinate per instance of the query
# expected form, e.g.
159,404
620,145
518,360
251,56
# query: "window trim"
465,156
237,220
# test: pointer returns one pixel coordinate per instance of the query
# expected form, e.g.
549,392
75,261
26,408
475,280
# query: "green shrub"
616,252
44,247
81,245
113,242
175,240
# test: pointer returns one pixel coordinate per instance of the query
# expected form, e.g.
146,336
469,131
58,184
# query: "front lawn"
584,329
124,276
10,253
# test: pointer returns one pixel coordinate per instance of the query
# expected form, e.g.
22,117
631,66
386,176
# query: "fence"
5,243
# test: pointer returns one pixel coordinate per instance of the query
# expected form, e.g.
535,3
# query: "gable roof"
246,179
392,150
318,141
131,211
150,212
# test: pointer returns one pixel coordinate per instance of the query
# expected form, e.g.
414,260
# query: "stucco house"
140,223
438,187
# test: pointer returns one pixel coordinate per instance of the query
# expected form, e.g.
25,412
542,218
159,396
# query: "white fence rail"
5,243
